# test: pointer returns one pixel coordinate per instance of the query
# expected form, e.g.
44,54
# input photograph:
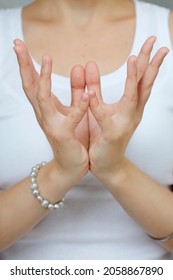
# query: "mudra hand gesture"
66,128
89,133
111,126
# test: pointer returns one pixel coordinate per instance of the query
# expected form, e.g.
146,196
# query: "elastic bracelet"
162,239
34,188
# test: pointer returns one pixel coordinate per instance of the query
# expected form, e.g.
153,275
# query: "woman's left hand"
111,126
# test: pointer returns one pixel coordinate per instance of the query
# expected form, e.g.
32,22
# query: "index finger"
28,73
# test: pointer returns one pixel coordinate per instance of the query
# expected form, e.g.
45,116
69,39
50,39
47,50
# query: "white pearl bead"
45,203
34,186
38,166
39,197
35,192
33,180
50,206
33,174
35,169
56,206
61,204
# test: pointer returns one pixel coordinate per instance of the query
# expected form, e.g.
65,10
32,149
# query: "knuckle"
144,51
82,109
24,62
146,84
74,117
133,98
43,97
44,76
29,87
77,83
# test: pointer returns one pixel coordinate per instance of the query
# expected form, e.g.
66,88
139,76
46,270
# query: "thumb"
103,120
78,112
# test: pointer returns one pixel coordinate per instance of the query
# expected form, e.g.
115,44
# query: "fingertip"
46,59
17,41
132,59
152,38
132,66
46,66
77,68
19,45
148,44
92,93
160,56
18,51
92,73
166,50
77,78
15,50
91,64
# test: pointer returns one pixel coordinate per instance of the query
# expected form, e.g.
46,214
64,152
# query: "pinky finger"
44,95
146,83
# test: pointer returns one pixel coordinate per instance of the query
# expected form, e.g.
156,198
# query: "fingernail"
44,60
166,50
91,93
14,49
84,98
153,38
16,52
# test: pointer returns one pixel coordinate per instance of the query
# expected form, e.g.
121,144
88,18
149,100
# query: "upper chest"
108,44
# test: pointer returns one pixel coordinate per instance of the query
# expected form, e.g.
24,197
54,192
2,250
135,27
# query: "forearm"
20,211
147,202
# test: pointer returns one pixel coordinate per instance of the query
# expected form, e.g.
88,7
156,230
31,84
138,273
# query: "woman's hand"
111,126
66,128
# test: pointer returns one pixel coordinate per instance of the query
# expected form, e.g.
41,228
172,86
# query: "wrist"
45,203
113,177
51,182
54,182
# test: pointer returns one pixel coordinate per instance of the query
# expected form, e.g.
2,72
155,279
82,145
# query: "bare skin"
79,29
83,34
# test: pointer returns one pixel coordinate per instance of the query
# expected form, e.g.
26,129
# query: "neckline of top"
112,77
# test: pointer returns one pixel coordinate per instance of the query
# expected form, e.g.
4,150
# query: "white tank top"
92,225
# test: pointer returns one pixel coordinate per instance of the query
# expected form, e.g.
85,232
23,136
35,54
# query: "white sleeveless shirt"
92,225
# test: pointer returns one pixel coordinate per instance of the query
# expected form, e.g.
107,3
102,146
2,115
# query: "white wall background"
15,3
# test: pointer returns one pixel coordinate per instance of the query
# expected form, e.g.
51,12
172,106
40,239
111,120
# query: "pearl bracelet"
34,188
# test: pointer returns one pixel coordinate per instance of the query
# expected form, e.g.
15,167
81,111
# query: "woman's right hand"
66,128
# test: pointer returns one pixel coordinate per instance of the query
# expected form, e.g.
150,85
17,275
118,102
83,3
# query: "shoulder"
6,15
9,26
9,15
171,25
9,22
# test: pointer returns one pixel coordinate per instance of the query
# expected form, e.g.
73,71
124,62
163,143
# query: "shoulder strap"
154,20
9,30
